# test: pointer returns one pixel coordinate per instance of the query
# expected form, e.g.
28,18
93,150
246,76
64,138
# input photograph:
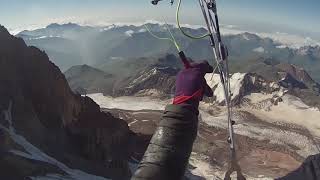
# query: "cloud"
116,58
292,41
31,27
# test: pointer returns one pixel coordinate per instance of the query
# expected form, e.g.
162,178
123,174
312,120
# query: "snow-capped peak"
236,82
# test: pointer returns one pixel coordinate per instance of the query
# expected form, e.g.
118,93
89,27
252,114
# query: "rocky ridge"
275,80
45,128
84,79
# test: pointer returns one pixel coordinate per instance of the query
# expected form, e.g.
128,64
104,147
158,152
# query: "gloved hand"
191,85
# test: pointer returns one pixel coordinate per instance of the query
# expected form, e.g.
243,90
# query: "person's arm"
170,147
309,170
168,153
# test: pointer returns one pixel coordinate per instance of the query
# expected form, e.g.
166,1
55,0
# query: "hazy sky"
301,15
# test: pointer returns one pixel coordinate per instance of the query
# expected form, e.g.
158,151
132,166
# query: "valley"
266,149
82,102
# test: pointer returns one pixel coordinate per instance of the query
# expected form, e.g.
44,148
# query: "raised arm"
168,153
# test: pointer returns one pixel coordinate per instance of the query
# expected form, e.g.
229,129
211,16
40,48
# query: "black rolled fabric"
169,150
309,170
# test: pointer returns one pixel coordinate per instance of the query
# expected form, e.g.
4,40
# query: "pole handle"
184,60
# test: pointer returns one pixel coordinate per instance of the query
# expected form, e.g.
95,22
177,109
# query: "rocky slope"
154,81
143,76
84,79
156,78
270,141
47,130
266,76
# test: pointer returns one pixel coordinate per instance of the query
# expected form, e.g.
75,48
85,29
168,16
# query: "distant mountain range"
71,44
119,76
156,77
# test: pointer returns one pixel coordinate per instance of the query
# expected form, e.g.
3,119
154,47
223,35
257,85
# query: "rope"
173,38
222,65
181,29
173,41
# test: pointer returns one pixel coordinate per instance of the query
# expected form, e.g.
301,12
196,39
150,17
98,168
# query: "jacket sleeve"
169,150
309,170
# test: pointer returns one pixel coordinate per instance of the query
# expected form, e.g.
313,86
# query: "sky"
301,16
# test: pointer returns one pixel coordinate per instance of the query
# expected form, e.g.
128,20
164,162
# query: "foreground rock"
46,129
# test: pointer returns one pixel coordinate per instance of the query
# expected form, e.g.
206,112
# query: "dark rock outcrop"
85,79
300,75
45,111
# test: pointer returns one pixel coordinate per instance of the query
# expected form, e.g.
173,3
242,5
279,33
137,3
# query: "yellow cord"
162,38
172,36
183,32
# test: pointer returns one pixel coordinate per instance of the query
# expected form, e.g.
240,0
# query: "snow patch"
192,26
259,50
245,36
44,37
143,77
149,92
16,30
130,124
173,24
129,33
236,82
142,30
281,46
116,58
293,110
258,97
128,102
107,28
